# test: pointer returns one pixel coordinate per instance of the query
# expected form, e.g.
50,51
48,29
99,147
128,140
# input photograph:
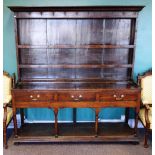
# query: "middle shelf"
77,46
78,66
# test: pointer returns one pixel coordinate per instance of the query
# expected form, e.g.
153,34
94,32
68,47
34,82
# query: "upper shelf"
76,46
79,66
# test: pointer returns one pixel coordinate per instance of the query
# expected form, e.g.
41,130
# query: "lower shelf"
79,132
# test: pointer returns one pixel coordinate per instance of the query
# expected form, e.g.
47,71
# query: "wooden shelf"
85,80
76,46
80,132
79,66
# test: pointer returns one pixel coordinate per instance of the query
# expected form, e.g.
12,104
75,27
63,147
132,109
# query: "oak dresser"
75,57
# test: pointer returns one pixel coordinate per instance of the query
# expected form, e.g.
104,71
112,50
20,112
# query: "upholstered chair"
8,83
145,114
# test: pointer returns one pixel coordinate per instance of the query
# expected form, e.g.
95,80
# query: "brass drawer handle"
72,96
122,96
34,99
80,96
76,99
118,98
115,96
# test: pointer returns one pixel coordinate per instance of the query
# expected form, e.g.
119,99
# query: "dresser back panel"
74,48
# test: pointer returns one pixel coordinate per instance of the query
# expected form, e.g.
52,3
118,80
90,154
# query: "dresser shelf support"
56,121
126,115
97,110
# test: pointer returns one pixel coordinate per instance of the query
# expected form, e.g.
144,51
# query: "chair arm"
7,105
148,106
5,112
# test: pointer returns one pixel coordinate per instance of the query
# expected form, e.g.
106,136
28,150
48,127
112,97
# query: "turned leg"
126,115
15,122
136,120
74,115
146,138
4,136
56,121
96,120
22,116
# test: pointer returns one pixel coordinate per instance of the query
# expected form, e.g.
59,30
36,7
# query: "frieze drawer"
33,96
117,96
77,96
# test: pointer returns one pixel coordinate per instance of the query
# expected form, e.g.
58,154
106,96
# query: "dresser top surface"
75,8
76,85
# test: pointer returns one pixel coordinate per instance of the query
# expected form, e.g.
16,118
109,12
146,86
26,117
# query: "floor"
78,148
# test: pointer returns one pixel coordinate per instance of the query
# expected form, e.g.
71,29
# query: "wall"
143,57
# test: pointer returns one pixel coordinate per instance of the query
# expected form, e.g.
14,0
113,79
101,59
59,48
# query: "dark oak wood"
77,66
79,132
126,115
74,115
76,46
22,116
75,57
75,8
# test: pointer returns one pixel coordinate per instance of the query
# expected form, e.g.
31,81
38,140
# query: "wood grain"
75,57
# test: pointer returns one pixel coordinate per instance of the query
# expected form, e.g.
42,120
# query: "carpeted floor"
78,149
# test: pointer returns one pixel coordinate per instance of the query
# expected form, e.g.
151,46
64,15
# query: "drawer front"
117,96
77,96
33,96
